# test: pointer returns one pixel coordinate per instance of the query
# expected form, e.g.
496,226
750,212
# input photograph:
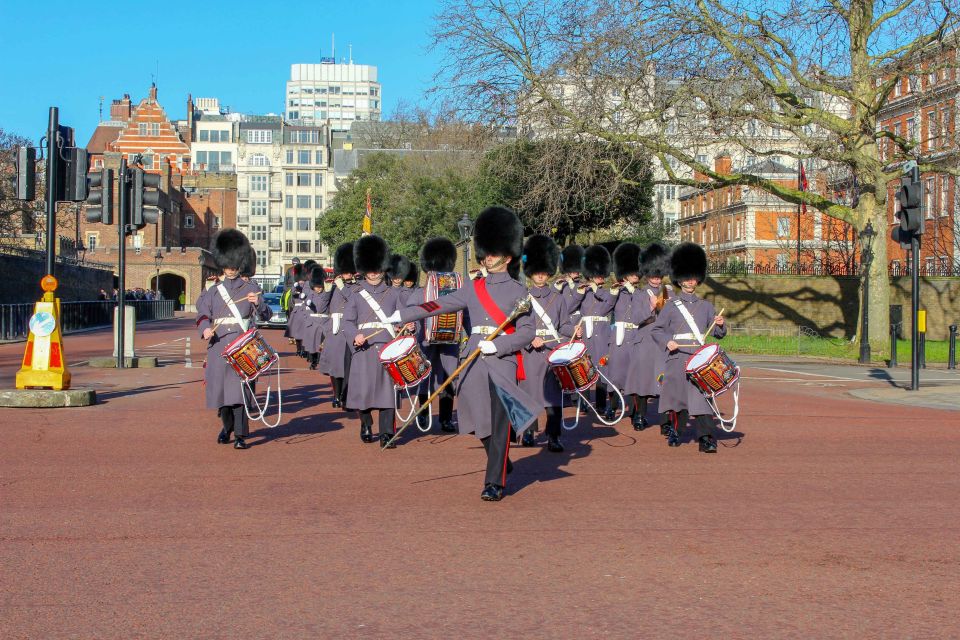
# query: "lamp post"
81,252
465,227
866,257
158,260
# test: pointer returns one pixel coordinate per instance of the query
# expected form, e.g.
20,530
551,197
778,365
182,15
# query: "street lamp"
866,257
157,260
81,252
465,227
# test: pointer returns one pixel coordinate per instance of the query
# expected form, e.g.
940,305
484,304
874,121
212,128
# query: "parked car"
278,318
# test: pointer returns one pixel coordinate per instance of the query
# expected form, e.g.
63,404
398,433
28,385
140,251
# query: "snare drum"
250,355
445,328
712,370
573,367
404,361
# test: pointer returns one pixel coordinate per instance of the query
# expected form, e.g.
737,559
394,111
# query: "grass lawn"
772,345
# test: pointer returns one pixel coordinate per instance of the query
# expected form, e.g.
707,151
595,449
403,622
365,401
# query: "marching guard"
488,391
595,311
549,310
630,310
571,264
335,357
365,323
679,331
316,316
642,379
224,311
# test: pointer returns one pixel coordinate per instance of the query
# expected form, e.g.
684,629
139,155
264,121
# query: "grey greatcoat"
223,385
571,295
295,319
369,385
474,385
631,310
334,356
540,382
595,311
314,320
677,392
649,357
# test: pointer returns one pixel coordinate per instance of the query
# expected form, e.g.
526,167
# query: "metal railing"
35,254
894,269
76,316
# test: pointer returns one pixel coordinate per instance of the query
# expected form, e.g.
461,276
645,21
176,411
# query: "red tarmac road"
833,517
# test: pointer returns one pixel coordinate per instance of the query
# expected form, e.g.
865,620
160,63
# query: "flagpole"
799,205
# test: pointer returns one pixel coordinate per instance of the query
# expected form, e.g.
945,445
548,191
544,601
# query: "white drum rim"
702,357
577,349
396,348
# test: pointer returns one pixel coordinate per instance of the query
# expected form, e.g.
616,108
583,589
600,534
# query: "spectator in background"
182,300
102,295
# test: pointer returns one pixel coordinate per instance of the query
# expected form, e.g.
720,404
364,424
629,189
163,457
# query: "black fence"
894,269
76,316
72,260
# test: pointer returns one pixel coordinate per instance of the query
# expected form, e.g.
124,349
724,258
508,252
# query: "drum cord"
623,403
711,400
261,415
413,410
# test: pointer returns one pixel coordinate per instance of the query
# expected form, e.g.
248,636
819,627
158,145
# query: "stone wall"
20,281
828,305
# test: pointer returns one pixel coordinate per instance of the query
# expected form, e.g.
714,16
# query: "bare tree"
684,79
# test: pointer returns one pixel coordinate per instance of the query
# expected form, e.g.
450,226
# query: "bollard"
893,346
952,356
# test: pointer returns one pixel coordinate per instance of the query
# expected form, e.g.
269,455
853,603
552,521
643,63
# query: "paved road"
828,516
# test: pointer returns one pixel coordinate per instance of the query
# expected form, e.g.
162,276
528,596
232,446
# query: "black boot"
314,359
553,444
366,433
708,444
448,426
665,430
528,440
492,493
385,441
673,438
224,437
639,422
240,443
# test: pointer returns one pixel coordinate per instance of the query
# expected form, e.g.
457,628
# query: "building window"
258,183
262,259
288,200
912,129
288,179
944,195
92,242
288,224
288,246
931,197
303,202
289,156
258,207
188,221
204,135
259,160
316,246
216,222
258,232
226,157
303,246
303,224
147,161
201,157
928,265
151,129
318,202
259,136
306,137
318,180
319,157
303,157
781,261
783,227
303,179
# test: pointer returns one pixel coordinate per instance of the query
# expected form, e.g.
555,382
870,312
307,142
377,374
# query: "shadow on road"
883,374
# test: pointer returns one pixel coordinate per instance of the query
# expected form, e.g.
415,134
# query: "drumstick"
710,328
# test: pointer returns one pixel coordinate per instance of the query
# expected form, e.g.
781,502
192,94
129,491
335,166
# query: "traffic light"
26,181
146,198
100,196
910,208
76,170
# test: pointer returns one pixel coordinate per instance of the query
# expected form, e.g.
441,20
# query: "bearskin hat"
371,254
540,255
249,267
571,259
513,270
413,275
688,260
438,254
230,249
343,259
596,262
498,232
626,259
318,276
655,261
399,267
307,269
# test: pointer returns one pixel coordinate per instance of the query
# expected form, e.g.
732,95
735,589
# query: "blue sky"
238,51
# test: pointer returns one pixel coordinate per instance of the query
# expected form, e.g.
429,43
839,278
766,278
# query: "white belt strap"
683,336
244,324
690,321
544,318
375,325
621,328
379,312
482,330
588,322
319,315
336,317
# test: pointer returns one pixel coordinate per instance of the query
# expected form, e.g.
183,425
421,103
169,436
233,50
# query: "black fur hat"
513,270
655,260
596,262
343,259
571,259
438,254
371,254
318,276
399,267
413,275
688,260
540,255
249,268
498,232
626,259
230,249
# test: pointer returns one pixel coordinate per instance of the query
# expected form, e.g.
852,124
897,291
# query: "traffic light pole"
53,170
122,217
914,313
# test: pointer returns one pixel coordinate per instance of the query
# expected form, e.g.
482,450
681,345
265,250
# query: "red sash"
498,316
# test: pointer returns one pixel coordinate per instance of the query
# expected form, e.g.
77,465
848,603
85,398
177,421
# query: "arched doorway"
170,286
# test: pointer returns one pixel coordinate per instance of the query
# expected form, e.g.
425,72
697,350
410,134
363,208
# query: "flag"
368,217
802,185
521,409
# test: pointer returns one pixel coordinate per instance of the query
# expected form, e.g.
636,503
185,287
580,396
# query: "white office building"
337,94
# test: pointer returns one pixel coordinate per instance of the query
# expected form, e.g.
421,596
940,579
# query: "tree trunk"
878,300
